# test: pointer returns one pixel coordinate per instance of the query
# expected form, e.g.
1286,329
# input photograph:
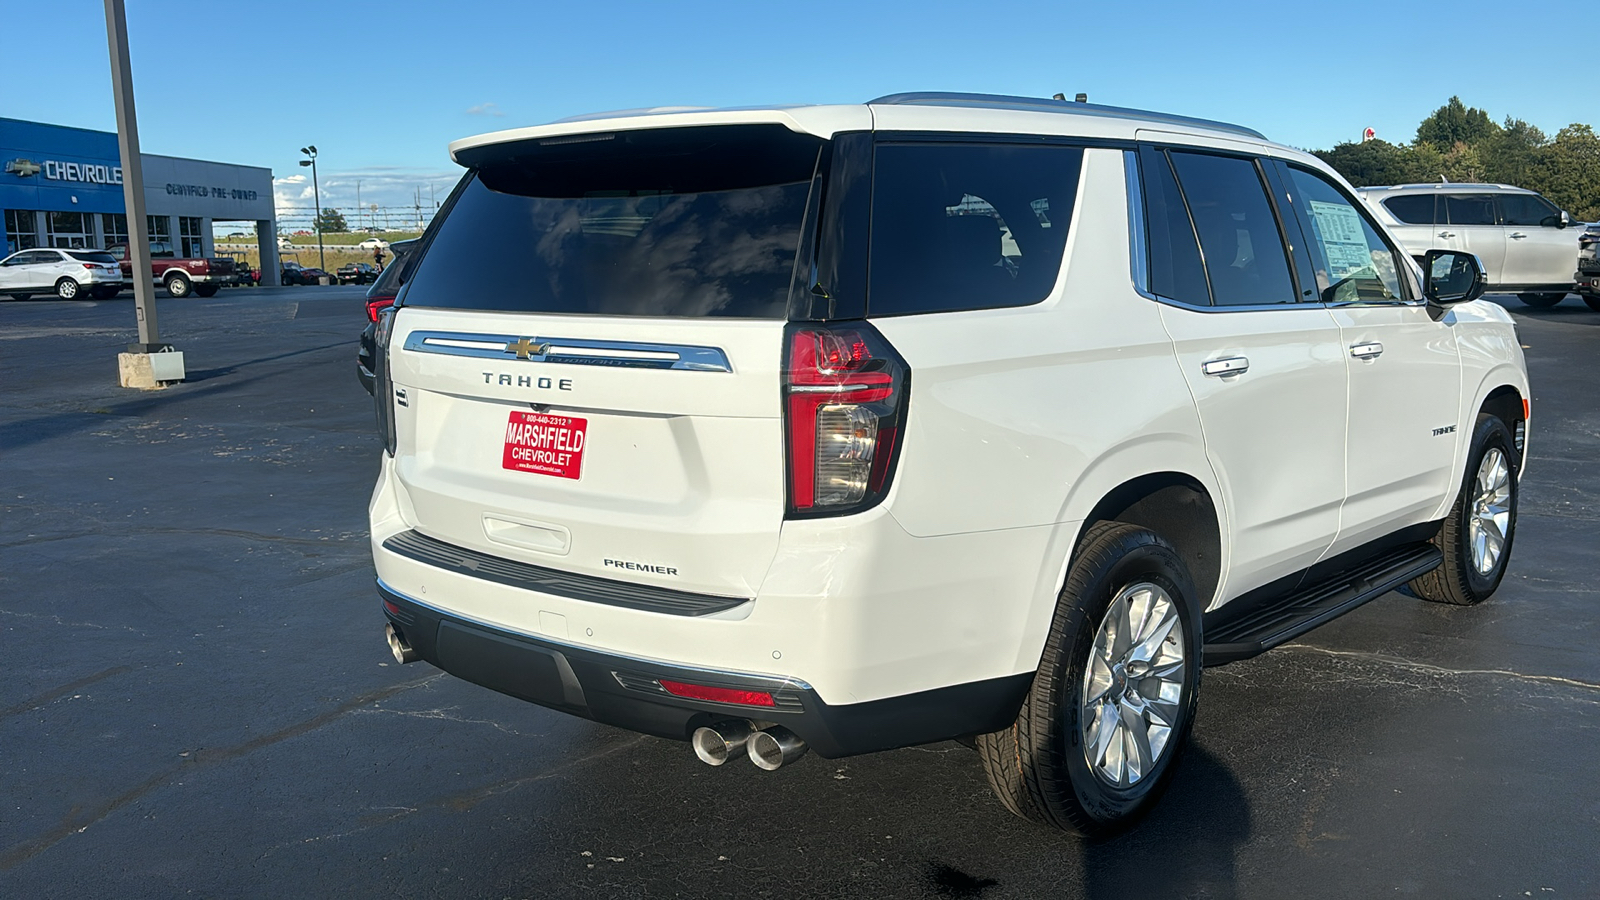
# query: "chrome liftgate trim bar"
570,351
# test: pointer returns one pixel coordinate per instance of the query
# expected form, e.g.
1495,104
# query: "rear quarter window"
1414,209
967,226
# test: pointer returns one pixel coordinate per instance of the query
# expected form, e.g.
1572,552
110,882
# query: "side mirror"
1453,277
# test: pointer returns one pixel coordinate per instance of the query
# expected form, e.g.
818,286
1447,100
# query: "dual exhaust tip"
402,650
769,748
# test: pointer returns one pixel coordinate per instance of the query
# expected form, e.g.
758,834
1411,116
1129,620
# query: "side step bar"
1242,635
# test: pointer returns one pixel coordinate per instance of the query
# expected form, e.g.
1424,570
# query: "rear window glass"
682,222
95,257
968,226
1415,209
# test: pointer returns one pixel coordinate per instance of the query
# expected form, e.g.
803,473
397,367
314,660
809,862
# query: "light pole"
316,196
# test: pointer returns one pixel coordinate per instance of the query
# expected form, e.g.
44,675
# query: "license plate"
545,444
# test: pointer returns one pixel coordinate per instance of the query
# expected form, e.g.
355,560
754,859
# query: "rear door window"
1413,209
1239,238
1470,209
968,226
672,222
1176,271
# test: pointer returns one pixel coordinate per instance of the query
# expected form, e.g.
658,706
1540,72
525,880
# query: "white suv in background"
944,416
69,274
1527,246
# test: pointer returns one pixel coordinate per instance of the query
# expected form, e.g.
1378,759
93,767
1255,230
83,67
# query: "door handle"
1232,365
1516,235
1366,350
1447,234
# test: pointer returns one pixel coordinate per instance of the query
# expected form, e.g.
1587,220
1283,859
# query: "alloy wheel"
1133,685
1489,522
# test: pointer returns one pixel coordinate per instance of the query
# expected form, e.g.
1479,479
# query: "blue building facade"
62,187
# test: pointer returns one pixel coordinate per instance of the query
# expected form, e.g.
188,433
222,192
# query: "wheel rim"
68,289
1489,522
1133,685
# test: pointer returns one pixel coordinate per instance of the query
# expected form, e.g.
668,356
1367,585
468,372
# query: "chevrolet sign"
22,167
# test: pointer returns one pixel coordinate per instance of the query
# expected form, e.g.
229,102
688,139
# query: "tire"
178,286
67,289
206,290
1040,767
1468,575
1541,300
286,282
1593,301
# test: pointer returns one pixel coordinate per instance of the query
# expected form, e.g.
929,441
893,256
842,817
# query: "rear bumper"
625,691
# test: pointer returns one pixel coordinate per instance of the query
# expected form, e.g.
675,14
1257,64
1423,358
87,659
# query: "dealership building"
62,187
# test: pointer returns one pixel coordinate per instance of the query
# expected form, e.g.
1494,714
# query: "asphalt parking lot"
198,699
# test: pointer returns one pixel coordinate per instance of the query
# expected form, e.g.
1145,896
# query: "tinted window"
1470,209
1352,261
95,256
968,226
1239,239
1527,209
1416,209
671,222
1175,268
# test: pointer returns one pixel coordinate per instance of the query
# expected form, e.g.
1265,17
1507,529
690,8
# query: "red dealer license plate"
548,445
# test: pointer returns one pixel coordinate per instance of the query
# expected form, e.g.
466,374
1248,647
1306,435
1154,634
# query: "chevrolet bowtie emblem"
23,167
526,348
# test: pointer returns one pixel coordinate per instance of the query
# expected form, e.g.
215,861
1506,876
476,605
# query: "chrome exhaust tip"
715,743
773,747
403,652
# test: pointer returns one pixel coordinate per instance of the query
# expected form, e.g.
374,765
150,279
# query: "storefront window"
189,232
70,230
160,229
22,230
115,228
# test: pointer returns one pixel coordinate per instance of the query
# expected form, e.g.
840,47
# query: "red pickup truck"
180,276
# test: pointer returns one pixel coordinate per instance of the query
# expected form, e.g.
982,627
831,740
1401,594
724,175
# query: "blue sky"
381,88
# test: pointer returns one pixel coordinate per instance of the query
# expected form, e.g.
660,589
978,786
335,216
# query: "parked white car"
68,274
1527,245
940,417
374,244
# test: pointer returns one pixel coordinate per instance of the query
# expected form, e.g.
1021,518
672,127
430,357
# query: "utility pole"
138,368
358,203
316,197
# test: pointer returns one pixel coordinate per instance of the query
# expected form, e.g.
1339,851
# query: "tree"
1369,162
1567,170
1455,123
330,221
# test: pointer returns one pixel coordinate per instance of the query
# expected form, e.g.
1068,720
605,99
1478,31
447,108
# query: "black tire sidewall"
1144,557
1490,432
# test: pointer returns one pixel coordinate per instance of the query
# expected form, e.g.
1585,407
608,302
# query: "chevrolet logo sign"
527,348
23,167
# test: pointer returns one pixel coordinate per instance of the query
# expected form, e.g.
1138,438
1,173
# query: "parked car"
357,273
181,276
1526,244
374,244
1588,274
945,416
68,274
379,298
295,274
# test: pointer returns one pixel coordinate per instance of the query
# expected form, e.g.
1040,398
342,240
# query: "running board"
1230,638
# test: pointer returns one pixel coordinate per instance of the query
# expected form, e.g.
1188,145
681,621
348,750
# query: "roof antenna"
1058,96
1082,98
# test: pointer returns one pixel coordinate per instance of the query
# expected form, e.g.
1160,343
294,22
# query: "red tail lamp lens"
846,390
376,306
718,694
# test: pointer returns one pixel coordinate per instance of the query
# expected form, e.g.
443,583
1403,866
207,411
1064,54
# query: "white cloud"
290,179
485,109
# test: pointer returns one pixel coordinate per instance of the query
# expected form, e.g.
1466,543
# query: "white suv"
938,417
1527,246
69,274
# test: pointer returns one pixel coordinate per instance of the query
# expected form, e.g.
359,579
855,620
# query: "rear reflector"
717,694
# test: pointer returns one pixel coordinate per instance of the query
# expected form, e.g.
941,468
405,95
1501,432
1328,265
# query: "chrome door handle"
1232,365
1516,235
1447,234
1367,350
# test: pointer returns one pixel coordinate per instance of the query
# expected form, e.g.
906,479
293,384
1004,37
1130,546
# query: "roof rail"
1003,101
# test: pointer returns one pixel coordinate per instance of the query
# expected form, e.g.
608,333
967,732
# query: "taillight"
383,392
845,399
376,306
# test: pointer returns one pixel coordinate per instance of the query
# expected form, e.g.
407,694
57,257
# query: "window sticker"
1344,242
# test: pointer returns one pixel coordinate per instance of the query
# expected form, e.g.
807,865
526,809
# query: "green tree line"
1461,143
